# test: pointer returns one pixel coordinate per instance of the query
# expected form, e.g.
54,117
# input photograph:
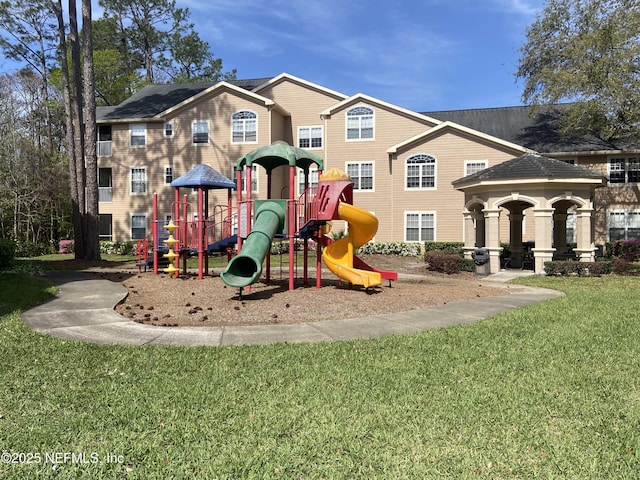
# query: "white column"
492,237
584,226
469,233
543,251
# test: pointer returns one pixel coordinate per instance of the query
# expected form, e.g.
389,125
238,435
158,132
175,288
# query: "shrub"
28,249
7,252
402,249
620,266
118,248
572,268
450,247
443,262
467,265
628,250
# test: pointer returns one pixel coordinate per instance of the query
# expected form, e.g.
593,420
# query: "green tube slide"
246,267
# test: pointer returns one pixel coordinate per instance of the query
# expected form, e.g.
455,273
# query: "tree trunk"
78,129
91,220
76,218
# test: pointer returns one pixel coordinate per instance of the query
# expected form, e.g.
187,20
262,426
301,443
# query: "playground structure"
295,220
204,235
303,218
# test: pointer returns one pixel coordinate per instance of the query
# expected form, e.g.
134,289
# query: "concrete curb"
83,310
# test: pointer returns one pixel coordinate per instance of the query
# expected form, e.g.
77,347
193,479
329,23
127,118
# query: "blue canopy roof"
203,176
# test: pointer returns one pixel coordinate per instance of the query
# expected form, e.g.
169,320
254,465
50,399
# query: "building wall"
299,104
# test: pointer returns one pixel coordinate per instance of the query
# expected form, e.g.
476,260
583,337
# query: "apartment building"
404,164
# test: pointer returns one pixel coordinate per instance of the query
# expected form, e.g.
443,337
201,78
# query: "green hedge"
628,250
7,252
573,268
451,247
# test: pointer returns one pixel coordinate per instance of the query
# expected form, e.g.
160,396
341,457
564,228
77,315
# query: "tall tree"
28,37
155,37
586,52
91,231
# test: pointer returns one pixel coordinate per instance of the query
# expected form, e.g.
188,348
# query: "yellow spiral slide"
338,257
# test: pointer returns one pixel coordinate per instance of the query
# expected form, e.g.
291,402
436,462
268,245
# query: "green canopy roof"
278,154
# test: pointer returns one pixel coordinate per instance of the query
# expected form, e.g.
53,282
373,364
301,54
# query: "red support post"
200,233
154,234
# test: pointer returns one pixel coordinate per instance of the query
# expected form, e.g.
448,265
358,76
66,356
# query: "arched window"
360,123
421,171
244,127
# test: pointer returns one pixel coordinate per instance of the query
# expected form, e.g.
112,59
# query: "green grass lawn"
548,391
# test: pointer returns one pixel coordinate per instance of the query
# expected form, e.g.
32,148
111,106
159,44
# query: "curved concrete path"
84,310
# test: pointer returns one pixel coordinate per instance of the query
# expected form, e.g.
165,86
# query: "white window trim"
310,128
193,124
346,125
243,142
254,178
435,175
132,127
164,174
373,174
146,181
626,170
146,224
625,212
420,212
470,162
164,130
300,182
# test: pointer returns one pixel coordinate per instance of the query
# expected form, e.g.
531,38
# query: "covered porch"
537,188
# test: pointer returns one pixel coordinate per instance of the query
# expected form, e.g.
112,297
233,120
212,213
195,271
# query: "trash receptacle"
481,259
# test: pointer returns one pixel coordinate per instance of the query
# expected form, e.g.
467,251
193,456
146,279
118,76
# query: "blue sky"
424,55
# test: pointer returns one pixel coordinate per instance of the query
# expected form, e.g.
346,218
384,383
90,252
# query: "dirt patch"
187,301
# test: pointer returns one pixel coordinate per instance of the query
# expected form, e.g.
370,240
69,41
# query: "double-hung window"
420,226
138,227
200,132
168,174
138,135
254,178
138,180
474,166
244,127
361,174
360,123
624,225
421,171
310,137
312,180
624,170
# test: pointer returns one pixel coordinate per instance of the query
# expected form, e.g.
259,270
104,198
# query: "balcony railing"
104,148
105,194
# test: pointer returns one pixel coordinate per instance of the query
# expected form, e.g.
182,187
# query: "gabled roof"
152,100
203,176
421,137
300,81
531,166
361,97
540,132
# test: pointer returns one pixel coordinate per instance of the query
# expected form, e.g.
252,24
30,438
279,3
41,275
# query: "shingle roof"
154,99
530,166
541,133
203,176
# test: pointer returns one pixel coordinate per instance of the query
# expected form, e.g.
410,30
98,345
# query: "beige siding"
299,104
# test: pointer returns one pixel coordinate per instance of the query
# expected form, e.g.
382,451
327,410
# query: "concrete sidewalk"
84,310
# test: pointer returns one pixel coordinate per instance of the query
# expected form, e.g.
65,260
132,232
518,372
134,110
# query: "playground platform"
83,310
